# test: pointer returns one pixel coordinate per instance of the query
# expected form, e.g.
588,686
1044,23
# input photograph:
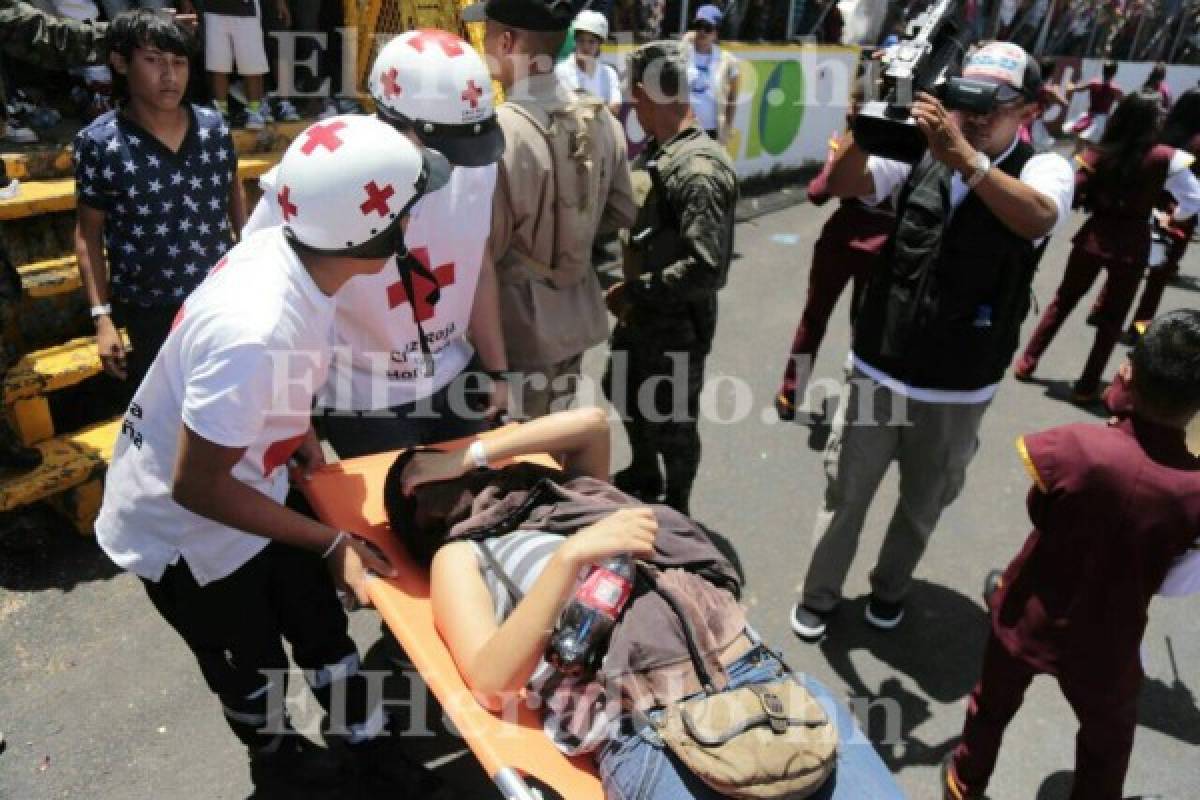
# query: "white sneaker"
10,189
330,110
238,92
20,135
254,121
287,112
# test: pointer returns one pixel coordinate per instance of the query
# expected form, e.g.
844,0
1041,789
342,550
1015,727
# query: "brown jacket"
551,304
647,654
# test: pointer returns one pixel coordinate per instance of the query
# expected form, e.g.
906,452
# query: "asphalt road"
99,699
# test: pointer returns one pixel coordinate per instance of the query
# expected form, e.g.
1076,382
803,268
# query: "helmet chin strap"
407,265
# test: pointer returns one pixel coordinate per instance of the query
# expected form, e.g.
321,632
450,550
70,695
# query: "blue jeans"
632,767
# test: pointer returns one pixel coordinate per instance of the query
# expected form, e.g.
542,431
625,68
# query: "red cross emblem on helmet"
285,204
450,44
472,94
377,199
390,87
323,135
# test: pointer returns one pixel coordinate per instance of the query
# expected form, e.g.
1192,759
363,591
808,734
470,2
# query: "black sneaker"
951,786
383,760
784,407
991,585
884,616
294,762
808,623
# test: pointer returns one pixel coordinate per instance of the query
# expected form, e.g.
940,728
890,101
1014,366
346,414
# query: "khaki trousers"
931,442
536,393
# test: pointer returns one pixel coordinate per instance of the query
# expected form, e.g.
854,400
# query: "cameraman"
937,325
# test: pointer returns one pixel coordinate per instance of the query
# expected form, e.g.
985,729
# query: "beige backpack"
581,183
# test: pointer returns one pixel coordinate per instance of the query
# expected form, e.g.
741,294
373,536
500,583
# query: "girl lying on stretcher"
508,549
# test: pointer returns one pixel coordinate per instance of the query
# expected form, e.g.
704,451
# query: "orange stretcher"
349,496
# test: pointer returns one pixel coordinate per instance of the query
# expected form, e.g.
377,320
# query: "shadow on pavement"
1189,282
939,645
415,714
1170,709
39,550
1060,390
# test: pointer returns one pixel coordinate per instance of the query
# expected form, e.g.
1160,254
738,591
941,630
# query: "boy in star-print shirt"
158,195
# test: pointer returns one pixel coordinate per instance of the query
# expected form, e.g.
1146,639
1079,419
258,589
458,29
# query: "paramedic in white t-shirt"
417,347
583,70
193,500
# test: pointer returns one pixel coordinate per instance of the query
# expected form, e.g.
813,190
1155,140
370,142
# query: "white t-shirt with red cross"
378,360
249,349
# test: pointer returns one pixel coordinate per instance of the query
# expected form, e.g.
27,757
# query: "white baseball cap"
1006,65
592,22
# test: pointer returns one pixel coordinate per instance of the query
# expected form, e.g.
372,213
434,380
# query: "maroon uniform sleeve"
1051,458
1059,470
818,187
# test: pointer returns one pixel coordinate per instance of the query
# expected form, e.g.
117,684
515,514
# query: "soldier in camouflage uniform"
32,35
676,259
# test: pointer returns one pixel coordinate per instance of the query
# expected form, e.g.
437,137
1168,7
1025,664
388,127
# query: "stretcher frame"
349,496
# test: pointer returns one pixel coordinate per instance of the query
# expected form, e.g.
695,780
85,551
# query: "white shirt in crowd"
1049,173
1183,185
702,85
377,359
250,347
1184,577
602,83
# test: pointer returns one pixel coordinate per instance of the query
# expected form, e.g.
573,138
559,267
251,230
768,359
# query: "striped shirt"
576,714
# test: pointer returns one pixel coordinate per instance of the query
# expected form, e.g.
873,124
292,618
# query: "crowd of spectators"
238,51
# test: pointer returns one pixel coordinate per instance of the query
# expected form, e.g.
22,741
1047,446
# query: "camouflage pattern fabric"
51,42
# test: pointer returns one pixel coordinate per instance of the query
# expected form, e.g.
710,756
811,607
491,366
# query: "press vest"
944,307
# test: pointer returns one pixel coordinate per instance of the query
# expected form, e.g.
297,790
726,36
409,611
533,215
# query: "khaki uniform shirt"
551,304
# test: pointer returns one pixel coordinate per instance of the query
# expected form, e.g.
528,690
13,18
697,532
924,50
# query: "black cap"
528,15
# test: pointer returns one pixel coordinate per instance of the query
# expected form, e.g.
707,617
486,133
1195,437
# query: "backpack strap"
577,119
649,579
494,565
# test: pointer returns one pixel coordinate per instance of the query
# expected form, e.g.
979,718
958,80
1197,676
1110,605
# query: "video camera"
925,60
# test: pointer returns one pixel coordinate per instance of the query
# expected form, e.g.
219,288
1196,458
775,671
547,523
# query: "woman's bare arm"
578,439
496,661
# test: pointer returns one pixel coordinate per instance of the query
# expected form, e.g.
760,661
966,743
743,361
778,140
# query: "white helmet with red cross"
434,83
345,183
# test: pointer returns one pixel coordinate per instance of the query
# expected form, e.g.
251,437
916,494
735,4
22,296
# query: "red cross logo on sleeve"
422,286
322,135
450,44
278,454
472,94
285,204
377,199
390,87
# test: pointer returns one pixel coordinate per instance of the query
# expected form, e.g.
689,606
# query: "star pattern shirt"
166,213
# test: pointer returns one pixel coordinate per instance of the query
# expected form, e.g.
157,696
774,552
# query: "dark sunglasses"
705,27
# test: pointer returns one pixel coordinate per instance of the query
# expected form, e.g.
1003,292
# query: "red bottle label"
605,591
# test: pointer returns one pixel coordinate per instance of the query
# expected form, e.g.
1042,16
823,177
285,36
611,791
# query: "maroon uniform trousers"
1108,314
1157,279
1115,239
835,262
1107,718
